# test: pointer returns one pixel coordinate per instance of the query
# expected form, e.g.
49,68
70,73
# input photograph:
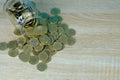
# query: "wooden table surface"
96,54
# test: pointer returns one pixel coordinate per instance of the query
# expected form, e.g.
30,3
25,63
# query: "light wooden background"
96,54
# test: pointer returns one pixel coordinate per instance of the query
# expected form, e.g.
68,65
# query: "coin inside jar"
18,6
28,20
30,24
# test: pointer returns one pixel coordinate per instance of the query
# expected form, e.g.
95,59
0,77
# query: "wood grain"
96,54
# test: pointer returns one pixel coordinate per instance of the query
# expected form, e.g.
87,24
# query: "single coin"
63,38
33,42
3,45
44,40
40,30
43,56
29,33
41,66
70,32
39,47
59,19
55,11
53,19
27,48
71,41
37,30
47,60
64,26
25,57
60,31
57,46
13,52
13,44
51,38
48,51
33,60
44,15
52,28
55,35
21,40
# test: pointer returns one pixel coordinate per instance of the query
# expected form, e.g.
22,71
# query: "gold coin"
41,66
33,60
25,57
3,45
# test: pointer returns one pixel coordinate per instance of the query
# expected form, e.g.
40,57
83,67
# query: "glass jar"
21,13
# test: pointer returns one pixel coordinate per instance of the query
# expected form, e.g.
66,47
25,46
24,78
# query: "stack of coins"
37,45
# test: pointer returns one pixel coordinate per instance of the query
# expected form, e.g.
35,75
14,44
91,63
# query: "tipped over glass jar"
22,13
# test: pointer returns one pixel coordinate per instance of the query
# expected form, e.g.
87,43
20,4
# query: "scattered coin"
25,57
27,48
33,42
70,32
71,41
3,45
13,52
57,46
43,56
42,66
13,44
55,11
33,60
52,28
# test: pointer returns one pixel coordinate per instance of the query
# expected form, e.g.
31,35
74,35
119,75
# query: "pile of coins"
38,43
